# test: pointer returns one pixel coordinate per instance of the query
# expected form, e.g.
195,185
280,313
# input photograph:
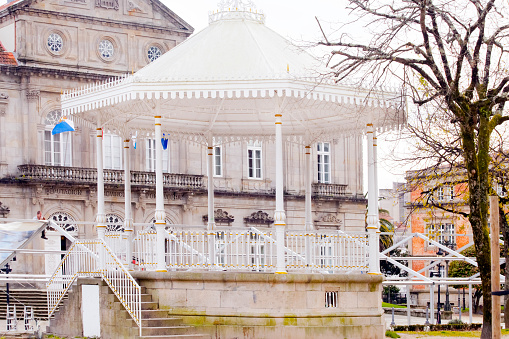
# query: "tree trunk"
477,161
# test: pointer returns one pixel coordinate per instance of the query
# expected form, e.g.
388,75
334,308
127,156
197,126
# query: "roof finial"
236,9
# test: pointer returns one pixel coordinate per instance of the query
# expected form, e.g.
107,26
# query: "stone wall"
260,305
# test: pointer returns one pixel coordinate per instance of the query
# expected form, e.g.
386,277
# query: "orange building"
436,202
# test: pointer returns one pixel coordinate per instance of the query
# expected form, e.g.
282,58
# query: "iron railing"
89,175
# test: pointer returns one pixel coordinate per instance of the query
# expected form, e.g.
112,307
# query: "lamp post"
7,269
451,245
437,274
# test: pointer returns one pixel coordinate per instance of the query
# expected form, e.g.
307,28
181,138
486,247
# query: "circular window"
55,42
153,53
106,49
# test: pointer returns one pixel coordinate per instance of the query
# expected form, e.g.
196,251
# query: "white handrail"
94,258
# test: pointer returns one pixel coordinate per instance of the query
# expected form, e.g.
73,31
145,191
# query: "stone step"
149,314
146,298
168,330
191,336
158,322
149,305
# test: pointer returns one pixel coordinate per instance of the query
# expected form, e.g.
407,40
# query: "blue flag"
63,125
164,142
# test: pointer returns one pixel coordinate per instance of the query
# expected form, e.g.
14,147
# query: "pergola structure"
231,82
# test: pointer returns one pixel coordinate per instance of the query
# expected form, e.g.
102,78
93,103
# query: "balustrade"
253,250
329,190
89,176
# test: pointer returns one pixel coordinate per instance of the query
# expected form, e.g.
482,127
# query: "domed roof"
236,45
229,80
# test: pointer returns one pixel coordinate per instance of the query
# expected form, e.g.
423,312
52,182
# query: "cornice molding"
18,9
51,72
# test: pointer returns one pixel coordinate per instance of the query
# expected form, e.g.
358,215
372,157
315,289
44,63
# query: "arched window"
64,220
58,147
114,223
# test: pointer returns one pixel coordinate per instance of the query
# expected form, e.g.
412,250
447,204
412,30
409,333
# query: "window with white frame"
254,160
58,147
112,151
444,193
446,235
440,193
323,154
442,233
218,161
150,156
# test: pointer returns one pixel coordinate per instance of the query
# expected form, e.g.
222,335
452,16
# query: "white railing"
253,250
246,249
326,251
117,241
94,258
144,250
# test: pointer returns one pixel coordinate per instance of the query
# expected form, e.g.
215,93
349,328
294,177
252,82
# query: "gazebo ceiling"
229,80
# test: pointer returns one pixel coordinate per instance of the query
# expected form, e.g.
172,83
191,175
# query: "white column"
101,217
377,191
128,220
211,224
309,180
279,215
372,218
308,206
160,214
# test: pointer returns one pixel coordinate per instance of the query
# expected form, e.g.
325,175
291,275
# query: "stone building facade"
65,44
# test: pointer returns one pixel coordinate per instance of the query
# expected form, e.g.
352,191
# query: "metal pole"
447,303
463,298
432,303
439,318
408,304
470,303
392,322
459,303
7,271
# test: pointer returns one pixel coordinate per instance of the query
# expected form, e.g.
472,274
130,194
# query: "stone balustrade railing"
89,176
329,190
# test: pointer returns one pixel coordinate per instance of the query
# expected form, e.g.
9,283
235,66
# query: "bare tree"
451,55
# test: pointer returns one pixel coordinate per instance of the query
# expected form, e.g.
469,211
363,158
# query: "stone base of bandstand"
263,305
